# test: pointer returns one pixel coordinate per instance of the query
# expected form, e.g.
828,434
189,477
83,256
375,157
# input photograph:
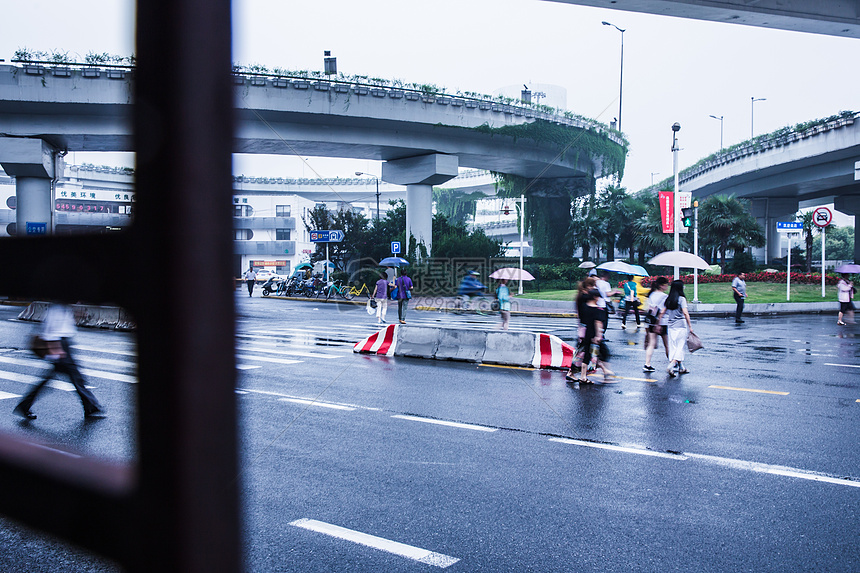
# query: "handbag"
694,342
39,346
650,319
393,295
408,294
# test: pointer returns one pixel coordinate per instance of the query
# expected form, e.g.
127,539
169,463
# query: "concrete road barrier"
417,341
510,348
112,317
464,345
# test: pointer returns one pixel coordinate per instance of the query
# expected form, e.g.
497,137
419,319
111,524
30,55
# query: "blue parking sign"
395,247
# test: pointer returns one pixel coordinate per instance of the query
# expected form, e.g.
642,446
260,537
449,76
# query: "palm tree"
808,228
726,223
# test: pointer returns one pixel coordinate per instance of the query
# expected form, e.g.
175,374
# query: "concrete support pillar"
419,174
33,212
768,211
850,205
419,215
33,164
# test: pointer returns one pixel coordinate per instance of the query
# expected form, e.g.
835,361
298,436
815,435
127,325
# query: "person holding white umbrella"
675,311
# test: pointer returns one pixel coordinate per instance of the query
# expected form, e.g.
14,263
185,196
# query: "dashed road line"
267,359
408,551
317,403
775,470
446,423
508,367
843,365
625,449
749,390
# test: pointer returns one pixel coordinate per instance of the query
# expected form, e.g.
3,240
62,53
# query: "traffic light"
687,217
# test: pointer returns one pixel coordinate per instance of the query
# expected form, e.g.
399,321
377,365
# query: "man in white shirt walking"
739,291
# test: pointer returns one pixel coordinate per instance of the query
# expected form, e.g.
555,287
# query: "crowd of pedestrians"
666,319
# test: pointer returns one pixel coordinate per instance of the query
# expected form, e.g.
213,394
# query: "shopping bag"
694,342
370,305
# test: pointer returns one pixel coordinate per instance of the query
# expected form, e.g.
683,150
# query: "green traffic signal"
687,217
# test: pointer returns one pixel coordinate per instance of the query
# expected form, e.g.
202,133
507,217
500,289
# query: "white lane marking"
776,470
278,394
7,395
445,423
246,367
408,551
629,450
317,403
245,348
266,359
845,365
55,450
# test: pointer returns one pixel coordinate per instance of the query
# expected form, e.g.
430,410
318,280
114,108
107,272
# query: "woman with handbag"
380,295
678,326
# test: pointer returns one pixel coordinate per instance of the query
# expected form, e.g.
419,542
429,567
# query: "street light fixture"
721,129
752,111
359,174
621,76
653,173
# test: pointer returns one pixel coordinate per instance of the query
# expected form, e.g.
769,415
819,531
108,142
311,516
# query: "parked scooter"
273,285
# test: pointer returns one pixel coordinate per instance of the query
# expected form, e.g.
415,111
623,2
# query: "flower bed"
797,278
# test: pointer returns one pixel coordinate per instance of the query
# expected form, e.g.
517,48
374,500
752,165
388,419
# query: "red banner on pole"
667,211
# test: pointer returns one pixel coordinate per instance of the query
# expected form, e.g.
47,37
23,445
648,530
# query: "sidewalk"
567,309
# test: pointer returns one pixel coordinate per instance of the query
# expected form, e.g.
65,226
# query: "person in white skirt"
678,327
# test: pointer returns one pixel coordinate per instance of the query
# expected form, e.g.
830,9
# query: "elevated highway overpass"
785,170
423,138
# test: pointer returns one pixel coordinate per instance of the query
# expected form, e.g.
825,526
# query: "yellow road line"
637,379
751,390
503,366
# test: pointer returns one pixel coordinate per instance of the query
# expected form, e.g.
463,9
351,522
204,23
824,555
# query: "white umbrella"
512,274
587,265
618,267
680,259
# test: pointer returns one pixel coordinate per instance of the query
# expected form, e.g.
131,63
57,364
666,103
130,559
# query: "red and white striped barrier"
382,343
552,352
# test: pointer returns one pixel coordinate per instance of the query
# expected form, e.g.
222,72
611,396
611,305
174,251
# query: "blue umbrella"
639,271
393,262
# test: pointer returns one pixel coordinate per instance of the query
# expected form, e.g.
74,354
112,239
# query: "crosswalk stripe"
286,352
267,359
41,365
7,395
104,350
32,380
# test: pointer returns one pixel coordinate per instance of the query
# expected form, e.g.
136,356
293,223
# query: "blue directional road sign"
395,247
334,236
789,227
37,228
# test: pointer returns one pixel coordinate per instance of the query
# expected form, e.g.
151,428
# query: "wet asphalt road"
748,463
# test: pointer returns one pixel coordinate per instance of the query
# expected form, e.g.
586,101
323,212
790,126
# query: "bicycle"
337,288
358,291
479,303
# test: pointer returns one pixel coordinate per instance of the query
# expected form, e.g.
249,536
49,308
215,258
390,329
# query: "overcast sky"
674,69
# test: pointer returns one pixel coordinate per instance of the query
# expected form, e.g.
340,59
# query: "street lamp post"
359,174
721,129
752,112
621,77
676,127
653,173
